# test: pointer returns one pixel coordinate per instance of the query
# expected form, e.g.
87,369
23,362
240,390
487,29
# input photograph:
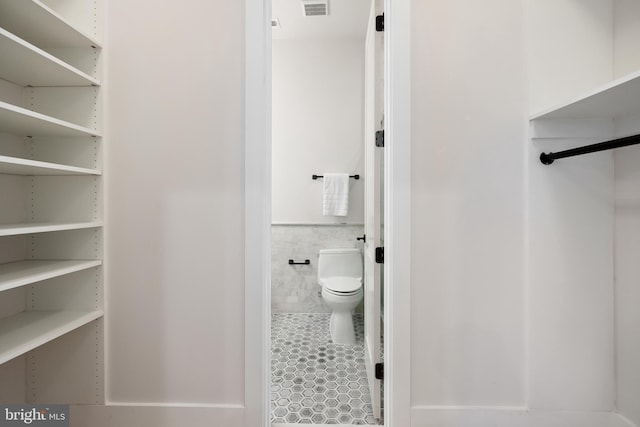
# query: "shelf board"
45,227
18,166
22,273
616,99
31,66
36,22
30,329
22,122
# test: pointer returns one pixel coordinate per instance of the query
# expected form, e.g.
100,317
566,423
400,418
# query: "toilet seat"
342,285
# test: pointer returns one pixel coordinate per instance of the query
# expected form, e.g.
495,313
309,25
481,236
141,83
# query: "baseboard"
621,421
428,416
314,425
421,416
156,416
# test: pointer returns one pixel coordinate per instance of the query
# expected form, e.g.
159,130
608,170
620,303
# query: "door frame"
397,230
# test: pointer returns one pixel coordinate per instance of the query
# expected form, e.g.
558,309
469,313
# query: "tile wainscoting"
294,288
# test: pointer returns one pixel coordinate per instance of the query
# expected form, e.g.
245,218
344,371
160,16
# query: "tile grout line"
314,380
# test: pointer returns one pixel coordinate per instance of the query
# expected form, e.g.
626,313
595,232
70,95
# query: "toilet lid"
342,284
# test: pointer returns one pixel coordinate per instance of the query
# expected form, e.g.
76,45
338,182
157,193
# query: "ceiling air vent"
315,7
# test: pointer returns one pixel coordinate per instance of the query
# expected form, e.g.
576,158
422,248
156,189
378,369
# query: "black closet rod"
322,176
548,158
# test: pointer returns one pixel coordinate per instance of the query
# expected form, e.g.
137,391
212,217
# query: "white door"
374,85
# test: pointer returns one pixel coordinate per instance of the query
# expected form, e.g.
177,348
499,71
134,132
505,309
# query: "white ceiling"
346,19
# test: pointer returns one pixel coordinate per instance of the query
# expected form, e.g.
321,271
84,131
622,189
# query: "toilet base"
341,327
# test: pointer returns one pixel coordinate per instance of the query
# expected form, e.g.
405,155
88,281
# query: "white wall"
318,93
468,139
569,49
627,231
174,211
626,37
627,291
493,335
175,108
571,361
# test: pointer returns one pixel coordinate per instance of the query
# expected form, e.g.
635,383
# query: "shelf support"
548,158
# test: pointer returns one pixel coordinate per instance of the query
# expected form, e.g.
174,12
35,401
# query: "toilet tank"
343,262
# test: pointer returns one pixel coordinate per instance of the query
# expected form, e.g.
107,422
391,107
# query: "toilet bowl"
340,275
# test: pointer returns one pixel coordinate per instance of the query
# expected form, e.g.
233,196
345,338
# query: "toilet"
340,275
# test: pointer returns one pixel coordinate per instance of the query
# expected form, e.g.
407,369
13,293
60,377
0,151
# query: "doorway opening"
258,224
327,209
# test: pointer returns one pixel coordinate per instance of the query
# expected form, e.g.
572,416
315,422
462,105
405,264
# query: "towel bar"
322,176
305,262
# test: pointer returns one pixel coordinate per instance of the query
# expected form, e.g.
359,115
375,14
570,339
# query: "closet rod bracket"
545,159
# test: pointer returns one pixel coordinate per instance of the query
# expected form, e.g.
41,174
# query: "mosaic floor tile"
314,380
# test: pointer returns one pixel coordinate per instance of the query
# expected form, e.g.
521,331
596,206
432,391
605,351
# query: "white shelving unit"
51,282
22,273
32,228
18,166
583,210
602,114
20,121
35,67
25,331
616,99
34,21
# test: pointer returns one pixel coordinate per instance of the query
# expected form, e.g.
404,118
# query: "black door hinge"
380,255
380,22
380,138
379,371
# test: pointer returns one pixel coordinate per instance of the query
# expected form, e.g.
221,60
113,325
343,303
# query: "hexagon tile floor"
314,381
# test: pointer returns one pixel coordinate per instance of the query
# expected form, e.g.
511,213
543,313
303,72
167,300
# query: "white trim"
397,233
175,405
312,425
156,416
397,211
316,224
503,416
620,420
257,209
470,408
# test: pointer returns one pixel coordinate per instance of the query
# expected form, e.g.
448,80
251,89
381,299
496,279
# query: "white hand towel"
336,194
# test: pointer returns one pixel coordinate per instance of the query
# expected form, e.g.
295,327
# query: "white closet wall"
627,231
468,135
584,210
51,340
571,212
175,205
557,364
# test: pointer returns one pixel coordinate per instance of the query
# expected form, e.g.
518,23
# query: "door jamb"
397,234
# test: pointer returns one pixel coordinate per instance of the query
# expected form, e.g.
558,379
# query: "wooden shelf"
36,22
617,99
45,227
22,122
22,273
31,66
30,329
18,166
